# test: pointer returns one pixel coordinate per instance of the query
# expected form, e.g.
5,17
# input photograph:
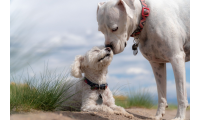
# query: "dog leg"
159,70
178,65
90,106
97,108
110,101
121,111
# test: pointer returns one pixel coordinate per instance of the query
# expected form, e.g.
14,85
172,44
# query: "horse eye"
115,29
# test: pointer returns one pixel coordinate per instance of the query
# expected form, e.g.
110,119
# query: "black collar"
95,86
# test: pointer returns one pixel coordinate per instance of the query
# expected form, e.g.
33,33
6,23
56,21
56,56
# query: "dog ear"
128,10
99,5
76,67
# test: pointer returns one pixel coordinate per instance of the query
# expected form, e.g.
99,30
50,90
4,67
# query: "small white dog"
93,87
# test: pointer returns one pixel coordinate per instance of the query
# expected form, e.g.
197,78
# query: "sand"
139,114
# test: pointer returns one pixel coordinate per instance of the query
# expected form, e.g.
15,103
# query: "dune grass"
139,98
46,93
43,93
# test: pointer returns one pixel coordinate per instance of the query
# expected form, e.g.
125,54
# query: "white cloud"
137,71
68,39
135,82
88,31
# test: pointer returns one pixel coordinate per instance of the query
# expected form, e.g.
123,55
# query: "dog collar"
145,14
95,86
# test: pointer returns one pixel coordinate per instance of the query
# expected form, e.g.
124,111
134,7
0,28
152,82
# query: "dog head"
116,21
98,58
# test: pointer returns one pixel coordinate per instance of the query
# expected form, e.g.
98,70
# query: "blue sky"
67,28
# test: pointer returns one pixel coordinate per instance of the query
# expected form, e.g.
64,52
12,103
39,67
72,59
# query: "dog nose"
108,49
109,45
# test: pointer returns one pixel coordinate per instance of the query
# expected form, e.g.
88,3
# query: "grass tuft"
43,93
140,98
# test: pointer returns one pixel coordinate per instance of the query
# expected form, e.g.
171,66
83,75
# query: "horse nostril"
125,44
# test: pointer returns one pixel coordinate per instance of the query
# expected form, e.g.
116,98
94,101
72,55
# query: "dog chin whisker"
107,55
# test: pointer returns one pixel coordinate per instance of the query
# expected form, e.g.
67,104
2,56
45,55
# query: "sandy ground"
139,114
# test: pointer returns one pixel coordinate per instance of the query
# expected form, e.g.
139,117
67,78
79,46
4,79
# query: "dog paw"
160,111
157,118
177,119
109,111
128,115
117,112
180,112
124,113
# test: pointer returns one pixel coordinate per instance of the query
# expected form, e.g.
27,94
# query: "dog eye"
115,29
96,50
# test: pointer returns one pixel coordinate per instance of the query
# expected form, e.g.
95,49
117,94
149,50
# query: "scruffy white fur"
95,71
164,38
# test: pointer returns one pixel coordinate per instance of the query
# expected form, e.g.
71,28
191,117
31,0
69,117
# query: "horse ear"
128,10
76,67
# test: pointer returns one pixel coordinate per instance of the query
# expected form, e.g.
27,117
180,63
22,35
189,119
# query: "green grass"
43,93
140,98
